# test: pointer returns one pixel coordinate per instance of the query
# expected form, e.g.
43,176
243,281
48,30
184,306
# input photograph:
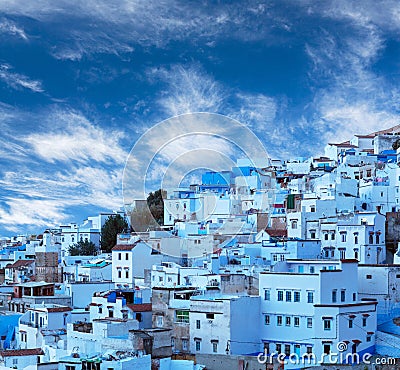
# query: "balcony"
29,323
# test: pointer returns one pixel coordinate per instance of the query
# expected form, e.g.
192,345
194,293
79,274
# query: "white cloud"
9,27
188,89
67,162
116,26
257,110
18,81
361,118
71,137
20,213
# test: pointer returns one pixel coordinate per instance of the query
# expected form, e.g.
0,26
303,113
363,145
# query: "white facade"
314,305
224,324
122,266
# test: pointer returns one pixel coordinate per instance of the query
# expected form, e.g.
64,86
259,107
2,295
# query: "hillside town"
287,264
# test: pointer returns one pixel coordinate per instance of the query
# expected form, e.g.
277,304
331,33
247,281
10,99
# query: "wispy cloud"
11,28
187,89
18,81
71,137
17,214
72,163
117,26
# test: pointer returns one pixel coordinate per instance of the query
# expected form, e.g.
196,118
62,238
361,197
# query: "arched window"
371,238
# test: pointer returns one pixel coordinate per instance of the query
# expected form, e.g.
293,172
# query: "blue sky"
81,81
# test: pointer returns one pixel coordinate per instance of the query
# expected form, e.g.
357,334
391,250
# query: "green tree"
83,248
113,226
155,202
396,144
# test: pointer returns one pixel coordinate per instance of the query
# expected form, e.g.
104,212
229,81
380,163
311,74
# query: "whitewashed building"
224,324
309,306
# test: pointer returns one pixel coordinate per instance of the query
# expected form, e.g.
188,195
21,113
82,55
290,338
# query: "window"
312,209
288,321
110,312
279,320
210,316
309,349
312,269
309,322
288,296
342,254
355,239
334,296
371,239
287,349
127,274
267,294
326,236
310,297
368,338
356,254
354,297
364,321
297,321
100,309
377,238
333,236
127,256
350,324
215,347
266,319
280,295
343,237
173,343
327,349
68,367
312,234
278,348
294,224
197,324
368,277
184,344
160,321
198,343
182,316
342,295
296,297
119,256
327,324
